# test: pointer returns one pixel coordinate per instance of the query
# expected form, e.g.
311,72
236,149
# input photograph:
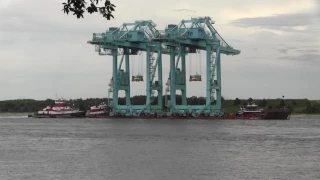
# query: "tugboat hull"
73,115
59,110
100,111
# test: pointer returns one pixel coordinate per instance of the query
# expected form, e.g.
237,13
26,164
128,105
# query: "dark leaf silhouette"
78,8
107,3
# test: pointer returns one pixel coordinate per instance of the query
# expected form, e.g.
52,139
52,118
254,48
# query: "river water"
101,149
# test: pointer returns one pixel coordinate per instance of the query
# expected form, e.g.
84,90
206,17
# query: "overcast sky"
44,51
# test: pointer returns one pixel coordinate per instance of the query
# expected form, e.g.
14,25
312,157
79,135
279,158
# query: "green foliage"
294,103
289,107
250,100
196,100
29,105
274,104
263,103
308,105
78,8
281,105
310,108
236,102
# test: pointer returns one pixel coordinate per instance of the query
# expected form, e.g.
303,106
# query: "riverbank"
298,106
25,114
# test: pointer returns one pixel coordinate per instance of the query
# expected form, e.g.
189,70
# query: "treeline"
229,105
296,105
30,105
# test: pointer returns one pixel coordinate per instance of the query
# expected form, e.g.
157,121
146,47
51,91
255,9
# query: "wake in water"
13,116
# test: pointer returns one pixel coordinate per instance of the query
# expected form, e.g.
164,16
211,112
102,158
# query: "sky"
44,52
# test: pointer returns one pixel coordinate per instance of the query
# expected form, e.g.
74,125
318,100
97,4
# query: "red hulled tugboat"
59,110
100,111
250,112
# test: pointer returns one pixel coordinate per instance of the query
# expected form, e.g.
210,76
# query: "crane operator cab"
196,77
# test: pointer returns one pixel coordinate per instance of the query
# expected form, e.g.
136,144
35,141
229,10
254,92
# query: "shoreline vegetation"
27,113
298,106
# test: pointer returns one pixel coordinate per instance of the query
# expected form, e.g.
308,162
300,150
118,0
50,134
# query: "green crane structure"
129,39
175,41
189,36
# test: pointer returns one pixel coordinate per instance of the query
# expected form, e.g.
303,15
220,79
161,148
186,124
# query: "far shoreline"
27,113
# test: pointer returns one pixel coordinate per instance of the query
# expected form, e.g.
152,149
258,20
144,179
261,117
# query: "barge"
250,112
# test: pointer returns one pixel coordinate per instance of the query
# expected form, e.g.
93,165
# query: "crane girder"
139,36
138,31
175,37
154,46
197,35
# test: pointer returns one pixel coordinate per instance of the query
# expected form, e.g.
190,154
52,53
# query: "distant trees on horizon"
30,105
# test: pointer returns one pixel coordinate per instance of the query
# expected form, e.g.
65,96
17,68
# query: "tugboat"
100,111
59,110
250,112
253,112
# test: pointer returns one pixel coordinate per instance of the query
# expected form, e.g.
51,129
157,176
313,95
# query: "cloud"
23,22
184,10
253,57
259,34
307,59
308,50
234,40
283,51
21,17
296,22
45,46
6,42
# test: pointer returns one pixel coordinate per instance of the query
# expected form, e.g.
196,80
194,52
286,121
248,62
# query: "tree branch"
78,8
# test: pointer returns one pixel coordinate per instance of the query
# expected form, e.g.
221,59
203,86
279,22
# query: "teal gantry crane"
129,39
176,41
199,35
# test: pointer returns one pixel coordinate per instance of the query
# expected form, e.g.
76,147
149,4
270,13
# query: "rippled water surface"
100,149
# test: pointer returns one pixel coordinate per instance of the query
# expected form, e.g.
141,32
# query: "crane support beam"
160,82
115,79
172,82
148,81
126,52
218,66
208,75
183,77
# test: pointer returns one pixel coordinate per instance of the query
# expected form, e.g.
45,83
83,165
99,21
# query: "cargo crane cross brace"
175,41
